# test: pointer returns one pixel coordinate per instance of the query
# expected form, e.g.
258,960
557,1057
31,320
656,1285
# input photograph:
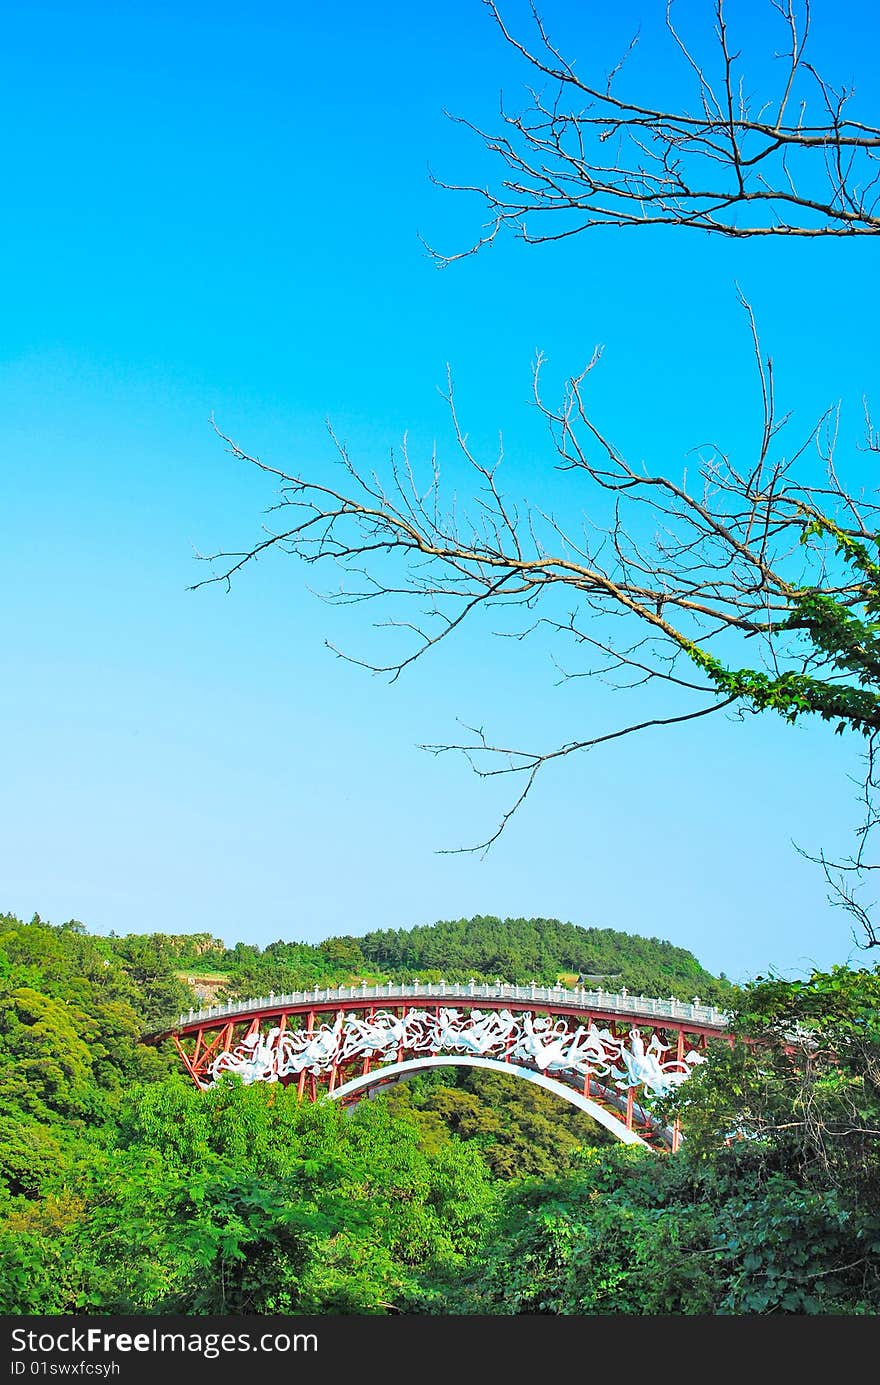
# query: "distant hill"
164,973
485,948
541,950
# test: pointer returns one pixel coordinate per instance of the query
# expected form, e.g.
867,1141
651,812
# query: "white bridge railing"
605,1002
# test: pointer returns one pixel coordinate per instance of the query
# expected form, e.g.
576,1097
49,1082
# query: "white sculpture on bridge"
547,1043
381,1035
641,1066
478,1033
254,1060
540,1041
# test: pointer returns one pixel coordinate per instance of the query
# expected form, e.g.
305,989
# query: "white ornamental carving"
547,1044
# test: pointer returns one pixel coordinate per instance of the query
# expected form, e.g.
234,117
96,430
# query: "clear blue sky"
217,209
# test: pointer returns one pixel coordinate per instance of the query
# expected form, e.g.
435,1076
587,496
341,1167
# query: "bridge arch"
390,1071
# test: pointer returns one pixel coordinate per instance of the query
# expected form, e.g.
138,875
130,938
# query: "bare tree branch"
848,878
738,583
580,155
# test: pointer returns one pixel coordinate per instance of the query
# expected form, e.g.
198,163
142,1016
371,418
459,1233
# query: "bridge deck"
615,1004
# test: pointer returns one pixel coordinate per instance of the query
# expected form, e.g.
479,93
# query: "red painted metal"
310,1028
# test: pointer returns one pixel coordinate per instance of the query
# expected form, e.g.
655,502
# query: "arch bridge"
611,1055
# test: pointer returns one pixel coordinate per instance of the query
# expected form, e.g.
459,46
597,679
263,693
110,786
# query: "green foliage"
30,1155
847,642
237,1200
211,1239
792,694
521,1131
484,948
124,1189
135,973
771,1207
629,1233
540,950
620,1235
36,1271
801,1083
787,1249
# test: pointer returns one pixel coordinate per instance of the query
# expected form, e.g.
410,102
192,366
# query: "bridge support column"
221,1041
676,1125
402,1047
188,1064
368,1059
301,1084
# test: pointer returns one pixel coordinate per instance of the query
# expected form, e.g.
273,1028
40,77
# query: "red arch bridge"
611,1055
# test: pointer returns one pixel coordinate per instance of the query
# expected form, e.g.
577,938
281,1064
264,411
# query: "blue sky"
218,210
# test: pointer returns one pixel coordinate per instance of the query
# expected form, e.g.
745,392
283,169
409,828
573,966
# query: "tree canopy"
123,1189
483,948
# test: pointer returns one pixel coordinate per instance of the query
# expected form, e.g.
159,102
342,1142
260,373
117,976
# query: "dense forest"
124,1189
483,948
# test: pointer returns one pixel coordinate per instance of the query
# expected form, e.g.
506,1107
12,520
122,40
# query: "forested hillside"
485,948
124,1189
541,950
